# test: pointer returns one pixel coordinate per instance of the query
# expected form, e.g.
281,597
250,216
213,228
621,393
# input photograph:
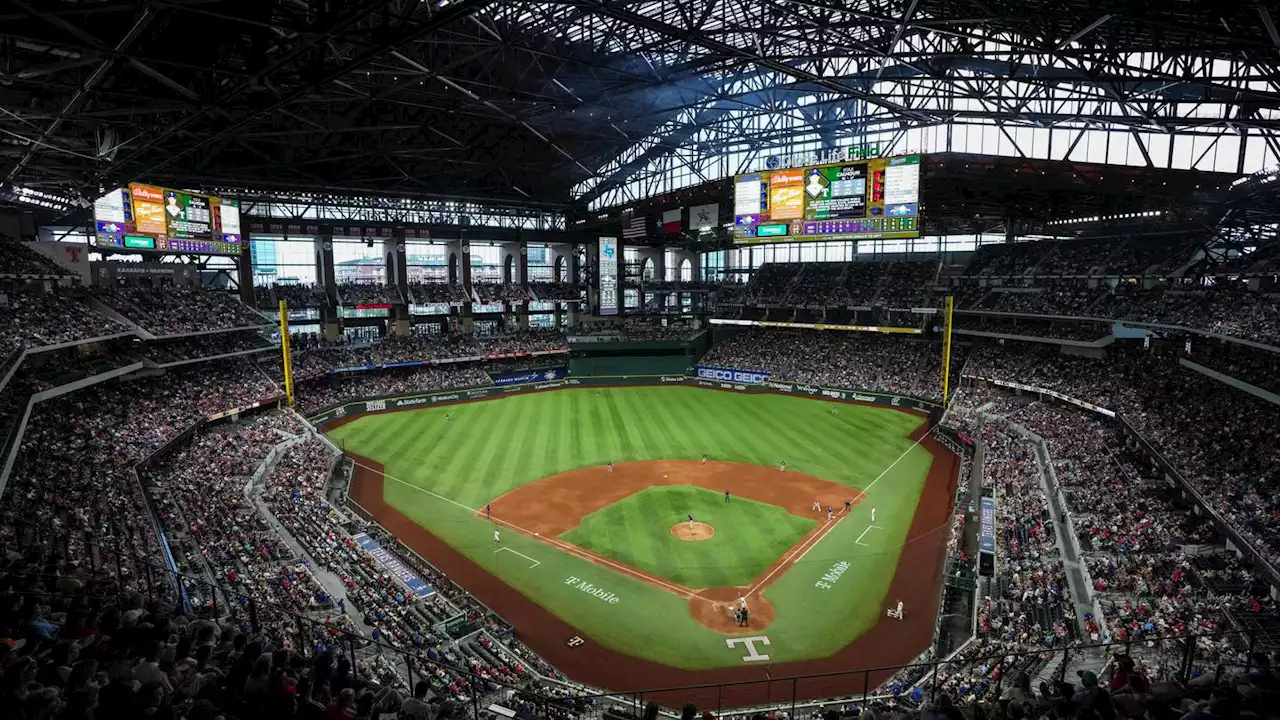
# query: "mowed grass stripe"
749,536
497,445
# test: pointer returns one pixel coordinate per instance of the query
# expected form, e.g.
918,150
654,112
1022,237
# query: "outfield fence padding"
360,407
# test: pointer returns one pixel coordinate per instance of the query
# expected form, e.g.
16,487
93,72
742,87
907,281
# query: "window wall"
426,262
753,256
284,261
357,262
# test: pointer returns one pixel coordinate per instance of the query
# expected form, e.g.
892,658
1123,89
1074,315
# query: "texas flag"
671,221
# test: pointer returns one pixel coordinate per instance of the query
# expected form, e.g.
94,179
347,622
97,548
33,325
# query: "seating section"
32,318
492,292
861,361
368,293
426,293
17,258
1218,438
175,310
197,347
554,291
297,295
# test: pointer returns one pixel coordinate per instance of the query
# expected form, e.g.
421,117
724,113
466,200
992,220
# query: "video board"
608,276
146,217
862,199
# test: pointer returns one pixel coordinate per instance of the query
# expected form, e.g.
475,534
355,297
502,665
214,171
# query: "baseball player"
609,465
448,417
488,510
497,539
704,459
830,515
848,505
817,506
833,409
726,496
690,521
873,513
783,466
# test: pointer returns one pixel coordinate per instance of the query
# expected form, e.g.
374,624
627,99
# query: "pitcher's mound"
692,531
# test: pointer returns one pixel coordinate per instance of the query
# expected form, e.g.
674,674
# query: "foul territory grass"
440,472
749,536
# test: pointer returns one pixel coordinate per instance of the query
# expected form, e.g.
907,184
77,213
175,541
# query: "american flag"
634,227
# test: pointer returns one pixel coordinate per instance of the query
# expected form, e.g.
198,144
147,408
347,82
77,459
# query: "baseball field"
598,507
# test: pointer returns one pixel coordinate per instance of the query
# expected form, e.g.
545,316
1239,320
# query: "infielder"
817,506
704,459
726,496
783,466
497,539
609,466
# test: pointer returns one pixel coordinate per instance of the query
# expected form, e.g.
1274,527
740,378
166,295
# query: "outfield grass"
749,535
439,472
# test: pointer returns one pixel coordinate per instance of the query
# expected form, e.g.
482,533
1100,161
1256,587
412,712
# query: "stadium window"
426,262
354,261
284,261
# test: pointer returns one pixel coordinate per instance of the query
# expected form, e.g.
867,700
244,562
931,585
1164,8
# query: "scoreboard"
875,198
146,217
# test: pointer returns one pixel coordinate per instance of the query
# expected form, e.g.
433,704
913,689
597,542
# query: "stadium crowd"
176,310
368,293
31,318
863,361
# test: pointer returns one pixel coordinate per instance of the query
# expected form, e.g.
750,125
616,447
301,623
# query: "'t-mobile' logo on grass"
832,575
592,590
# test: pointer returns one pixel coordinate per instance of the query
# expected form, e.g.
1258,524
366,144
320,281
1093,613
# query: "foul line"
535,564
864,534
821,536
563,546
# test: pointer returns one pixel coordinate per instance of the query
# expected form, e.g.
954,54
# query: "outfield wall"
361,407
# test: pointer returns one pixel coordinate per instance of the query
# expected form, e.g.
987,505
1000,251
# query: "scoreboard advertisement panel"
855,199
146,217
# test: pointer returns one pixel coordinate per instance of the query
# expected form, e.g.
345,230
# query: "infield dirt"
861,665
556,504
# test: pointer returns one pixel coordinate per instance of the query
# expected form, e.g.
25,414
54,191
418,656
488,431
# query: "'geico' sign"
732,375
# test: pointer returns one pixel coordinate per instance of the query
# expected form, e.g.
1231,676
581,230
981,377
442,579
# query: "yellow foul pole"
284,350
946,351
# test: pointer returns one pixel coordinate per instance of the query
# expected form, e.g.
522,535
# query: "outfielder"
873,513
783,466
497,539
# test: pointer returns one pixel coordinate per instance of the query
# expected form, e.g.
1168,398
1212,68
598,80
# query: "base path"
887,644
555,504
693,532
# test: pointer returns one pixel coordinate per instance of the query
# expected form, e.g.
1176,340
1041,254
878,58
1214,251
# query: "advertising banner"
738,380
529,376
752,377
392,564
987,526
